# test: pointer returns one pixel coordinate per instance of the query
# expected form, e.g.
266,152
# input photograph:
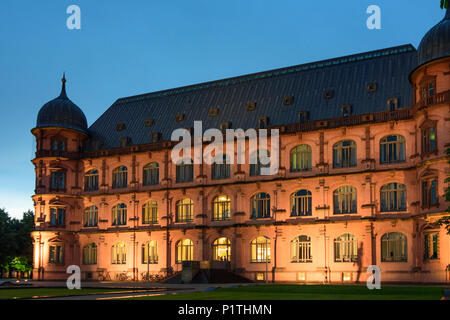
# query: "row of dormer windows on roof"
392,150
392,199
393,249
303,115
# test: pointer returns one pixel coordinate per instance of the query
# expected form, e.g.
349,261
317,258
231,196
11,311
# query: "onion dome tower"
62,112
61,129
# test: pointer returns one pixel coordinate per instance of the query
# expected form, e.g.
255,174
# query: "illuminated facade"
361,178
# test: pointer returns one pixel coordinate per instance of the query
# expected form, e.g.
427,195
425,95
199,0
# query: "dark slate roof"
348,76
436,42
62,112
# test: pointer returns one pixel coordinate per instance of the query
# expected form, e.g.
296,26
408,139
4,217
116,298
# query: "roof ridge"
271,73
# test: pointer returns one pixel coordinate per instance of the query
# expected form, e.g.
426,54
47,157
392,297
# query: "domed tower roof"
436,43
62,112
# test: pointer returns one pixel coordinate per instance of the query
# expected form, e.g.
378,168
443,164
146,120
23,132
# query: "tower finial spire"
63,94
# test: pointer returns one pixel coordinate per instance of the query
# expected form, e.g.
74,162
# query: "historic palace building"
361,179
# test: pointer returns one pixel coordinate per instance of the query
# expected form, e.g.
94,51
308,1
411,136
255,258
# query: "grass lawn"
309,292
51,292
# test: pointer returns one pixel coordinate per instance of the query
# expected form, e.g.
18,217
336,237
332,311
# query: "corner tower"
60,131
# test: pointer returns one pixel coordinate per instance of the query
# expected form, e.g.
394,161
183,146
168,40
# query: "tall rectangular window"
57,216
56,254
429,193
58,179
431,246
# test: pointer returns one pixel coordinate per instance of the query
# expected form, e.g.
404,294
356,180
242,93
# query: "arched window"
392,149
90,216
221,249
344,199
56,253
346,248
119,215
185,210
301,203
393,197
393,247
220,168
221,206
91,180
58,180
119,177
150,252
344,154
150,212
119,253
301,249
255,162
260,205
301,158
90,254
184,250
260,249
185,171
57,216
151,174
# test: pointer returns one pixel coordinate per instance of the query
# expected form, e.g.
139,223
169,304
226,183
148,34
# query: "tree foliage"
16,250
444,4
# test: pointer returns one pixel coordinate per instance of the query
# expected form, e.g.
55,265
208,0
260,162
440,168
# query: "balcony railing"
438,98
57,153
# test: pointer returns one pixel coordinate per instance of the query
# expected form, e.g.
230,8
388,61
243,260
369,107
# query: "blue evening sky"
132,47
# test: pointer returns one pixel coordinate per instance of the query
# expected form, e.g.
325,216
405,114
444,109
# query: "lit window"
90,216
90,254
301,249
184,210
119,253
393,247
301,158
221,249
346,248
119,215
260,250
393,197
221,207
150,252
260,206
119,177
150,212
184,250
429,140
301,203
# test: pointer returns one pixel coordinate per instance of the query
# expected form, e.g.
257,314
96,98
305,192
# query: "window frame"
91,180
393,192
150,174
186,205
301,250
300,160
392,151
119,215
120,177
345,156
257,203
298,200
345,193
219,206
260,250
150,212
390,245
